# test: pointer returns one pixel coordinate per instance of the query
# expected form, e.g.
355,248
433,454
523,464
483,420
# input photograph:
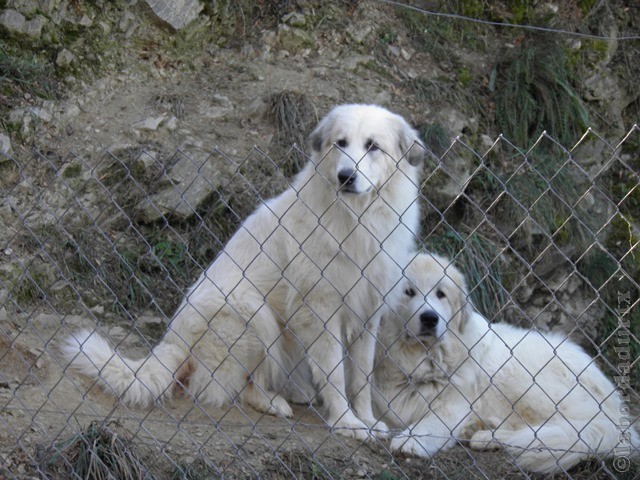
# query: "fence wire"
545,239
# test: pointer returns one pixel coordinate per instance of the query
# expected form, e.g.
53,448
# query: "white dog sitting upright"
443,373
305,274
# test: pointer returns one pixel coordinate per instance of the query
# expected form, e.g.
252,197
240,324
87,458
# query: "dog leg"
327,370
438,430
318,327
361,357
483,440
266,401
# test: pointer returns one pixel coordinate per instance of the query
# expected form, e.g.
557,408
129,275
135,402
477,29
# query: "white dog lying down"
305,274
443,373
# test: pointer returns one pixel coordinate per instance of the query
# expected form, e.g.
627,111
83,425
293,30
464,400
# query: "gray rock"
360,33
70,112
46,322
65,58
604,86
8,217
486,142
26,128
127,22
190,182
33,27
176,14
295,19
150,124
221,107
26,7
106,28
48,6
117,333
456,121
12,21
146,160
64,294
85,21
457,173
407,53
294,39
395,51
151,326
42,114
352,62
5,144
151,320
172,123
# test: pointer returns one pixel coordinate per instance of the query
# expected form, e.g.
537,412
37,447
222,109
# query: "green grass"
435,137
29,289
535,198
535,91
476,256
22,71
437,35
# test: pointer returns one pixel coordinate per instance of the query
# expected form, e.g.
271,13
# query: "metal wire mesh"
546,239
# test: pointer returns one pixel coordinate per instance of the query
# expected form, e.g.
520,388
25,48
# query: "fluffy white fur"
444,373
302,280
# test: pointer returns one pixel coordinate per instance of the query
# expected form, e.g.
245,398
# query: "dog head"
434,300
356,148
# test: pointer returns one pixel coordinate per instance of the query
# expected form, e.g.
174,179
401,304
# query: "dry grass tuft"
97,453
294,116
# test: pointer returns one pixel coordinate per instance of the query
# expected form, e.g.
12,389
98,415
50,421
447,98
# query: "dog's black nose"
428,320
346,177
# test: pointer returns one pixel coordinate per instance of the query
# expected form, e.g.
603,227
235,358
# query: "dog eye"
342,143
371,146
440,294
410,292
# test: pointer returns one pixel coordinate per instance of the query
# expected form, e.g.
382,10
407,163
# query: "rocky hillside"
137,134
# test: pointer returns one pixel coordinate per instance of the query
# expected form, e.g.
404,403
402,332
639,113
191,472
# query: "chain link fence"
547,239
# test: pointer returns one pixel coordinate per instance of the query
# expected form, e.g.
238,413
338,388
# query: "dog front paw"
483,440
351,426
415,445
377,428
279,406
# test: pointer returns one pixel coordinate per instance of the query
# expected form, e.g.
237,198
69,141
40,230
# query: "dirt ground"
46,408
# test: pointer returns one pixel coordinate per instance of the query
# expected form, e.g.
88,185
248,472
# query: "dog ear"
465,314
462,304
316,139
410,145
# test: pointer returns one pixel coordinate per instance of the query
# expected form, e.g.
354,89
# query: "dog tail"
135,382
